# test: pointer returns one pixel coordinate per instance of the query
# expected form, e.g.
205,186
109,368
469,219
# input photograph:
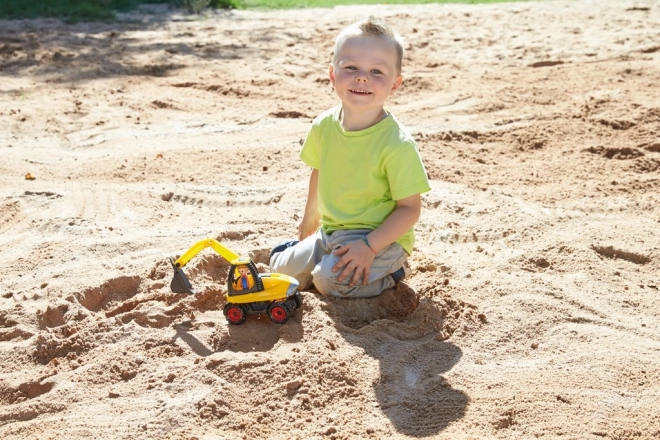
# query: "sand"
533,307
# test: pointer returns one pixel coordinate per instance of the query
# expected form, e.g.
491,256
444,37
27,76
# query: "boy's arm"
311,218
357,256
403,218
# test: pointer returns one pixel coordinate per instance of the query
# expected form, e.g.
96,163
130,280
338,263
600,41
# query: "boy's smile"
365,75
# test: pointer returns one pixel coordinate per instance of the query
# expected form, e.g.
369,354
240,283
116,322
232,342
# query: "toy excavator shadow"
411,391
258,334
262,335
197,346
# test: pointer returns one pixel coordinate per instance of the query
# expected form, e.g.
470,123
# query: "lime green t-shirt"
363,173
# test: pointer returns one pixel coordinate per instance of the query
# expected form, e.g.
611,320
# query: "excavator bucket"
180,282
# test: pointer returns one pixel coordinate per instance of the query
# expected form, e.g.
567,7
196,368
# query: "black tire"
235,313
279,312
298,299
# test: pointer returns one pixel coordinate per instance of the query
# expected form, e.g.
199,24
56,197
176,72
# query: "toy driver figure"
244,281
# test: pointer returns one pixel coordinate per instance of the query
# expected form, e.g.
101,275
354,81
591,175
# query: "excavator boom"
195,249
180,282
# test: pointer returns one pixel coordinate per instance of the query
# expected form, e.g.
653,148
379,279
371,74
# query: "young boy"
366,180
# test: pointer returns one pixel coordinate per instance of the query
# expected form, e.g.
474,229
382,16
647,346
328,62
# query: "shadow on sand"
412,355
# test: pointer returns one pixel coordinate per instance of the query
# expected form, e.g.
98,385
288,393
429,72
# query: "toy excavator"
248,291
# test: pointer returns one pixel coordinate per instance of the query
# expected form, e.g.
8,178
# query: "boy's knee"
327,284
273,263
325,281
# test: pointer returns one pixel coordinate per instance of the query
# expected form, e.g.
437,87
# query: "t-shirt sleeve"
405,172
311,149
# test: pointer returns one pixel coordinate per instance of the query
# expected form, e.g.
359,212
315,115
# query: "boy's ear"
331,74
397,83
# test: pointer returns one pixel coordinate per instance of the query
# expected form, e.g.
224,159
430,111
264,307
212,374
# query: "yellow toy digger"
248,291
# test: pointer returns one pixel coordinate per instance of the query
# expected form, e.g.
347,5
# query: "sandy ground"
533,309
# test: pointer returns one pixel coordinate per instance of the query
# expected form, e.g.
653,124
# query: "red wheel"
278,312
235,313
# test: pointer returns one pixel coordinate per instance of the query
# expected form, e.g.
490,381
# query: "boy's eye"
376,71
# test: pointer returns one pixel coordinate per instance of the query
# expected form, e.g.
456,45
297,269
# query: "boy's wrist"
366,241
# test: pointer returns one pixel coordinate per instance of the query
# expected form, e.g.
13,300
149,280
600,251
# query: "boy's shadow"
411,390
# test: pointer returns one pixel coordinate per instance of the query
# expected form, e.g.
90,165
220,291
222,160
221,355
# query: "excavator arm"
198,247
180,282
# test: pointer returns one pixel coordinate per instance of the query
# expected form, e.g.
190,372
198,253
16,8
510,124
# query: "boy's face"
365,74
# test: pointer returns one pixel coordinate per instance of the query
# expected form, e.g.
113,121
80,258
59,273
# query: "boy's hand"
356,258
308,226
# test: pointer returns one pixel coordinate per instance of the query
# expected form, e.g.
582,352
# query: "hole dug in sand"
614,253
112,291
402,306
11,394
393,304
10,327
60,313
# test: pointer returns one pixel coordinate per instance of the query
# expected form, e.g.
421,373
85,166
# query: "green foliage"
286,4
226,4
197,6
90,10
72,10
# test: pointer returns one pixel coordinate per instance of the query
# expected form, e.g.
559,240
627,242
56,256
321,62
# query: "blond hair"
373,27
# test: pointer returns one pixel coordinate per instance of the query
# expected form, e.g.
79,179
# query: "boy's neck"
356,121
